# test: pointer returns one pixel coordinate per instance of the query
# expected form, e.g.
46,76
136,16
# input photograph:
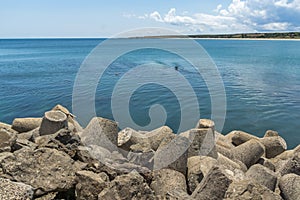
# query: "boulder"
15,190
45,169
246,189
167,180
274,145
213,186
263,176
198,167
7,140
173,155
249,152
90,184
26,124
127,187
289,185
239,137
101,132
52,122
30,135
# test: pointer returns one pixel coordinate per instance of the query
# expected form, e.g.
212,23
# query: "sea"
261,81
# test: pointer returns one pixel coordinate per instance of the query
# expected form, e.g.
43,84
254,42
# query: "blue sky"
105,18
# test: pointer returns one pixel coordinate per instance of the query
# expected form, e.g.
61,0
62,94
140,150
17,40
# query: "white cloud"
239,16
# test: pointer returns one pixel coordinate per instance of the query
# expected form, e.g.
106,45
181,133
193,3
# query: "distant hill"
286,35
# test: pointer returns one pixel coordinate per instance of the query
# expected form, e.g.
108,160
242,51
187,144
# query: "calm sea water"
261,79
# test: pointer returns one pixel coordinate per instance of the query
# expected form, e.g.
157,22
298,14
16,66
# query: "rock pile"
55,158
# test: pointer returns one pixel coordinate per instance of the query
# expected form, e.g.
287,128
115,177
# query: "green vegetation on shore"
285,35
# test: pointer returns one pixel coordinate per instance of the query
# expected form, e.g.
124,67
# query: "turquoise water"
261,79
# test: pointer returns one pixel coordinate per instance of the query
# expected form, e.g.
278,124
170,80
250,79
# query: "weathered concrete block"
267,163
173,155
205,123
26,124
291,166
156,136
271,133
274,145
198,167
213,186
202,142
129,139
52,122
263,176
289,185
249,152
101,132
239,137
167,180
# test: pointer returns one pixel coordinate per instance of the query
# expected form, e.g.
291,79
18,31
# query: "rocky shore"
53,157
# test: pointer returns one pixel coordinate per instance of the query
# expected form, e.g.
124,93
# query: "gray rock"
213,186
127,187
7,140
45,169
26,124
273,145
52,122
239,137
101,132
263,176
173,155
248,190
14,190
90,184
198,167
30,135
249,152
289,185
167,180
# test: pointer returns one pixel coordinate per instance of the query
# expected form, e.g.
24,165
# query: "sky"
106,18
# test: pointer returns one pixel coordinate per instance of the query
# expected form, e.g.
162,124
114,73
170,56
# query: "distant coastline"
255,36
